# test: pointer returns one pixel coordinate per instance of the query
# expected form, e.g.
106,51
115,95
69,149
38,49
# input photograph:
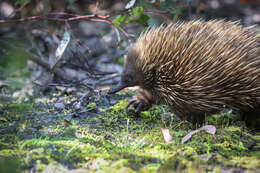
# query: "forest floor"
45,134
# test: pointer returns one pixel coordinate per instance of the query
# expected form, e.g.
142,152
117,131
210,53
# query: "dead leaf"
208,128
60,50
130,4
188,136
67,123
166,135
206,157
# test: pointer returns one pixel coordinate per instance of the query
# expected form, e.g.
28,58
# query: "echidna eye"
128,78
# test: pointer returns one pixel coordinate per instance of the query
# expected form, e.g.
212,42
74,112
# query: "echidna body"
196,68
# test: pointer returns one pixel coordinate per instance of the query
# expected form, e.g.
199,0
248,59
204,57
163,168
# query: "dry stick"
92,17
75,17
162,14
19,9
96,8
58,72
108,78
125,33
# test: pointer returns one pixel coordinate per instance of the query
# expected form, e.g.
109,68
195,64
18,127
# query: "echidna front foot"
137,104
141,102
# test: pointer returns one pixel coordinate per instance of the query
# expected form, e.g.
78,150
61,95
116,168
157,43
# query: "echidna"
196,68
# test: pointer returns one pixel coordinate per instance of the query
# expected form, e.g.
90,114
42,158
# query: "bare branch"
125,33
92,17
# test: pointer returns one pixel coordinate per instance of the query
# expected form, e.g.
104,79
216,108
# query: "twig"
125,33
58,72
162,14
118,35
59,84
96,8
108,78
19,9
92,17
34,46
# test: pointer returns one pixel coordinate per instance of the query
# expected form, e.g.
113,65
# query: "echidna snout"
125,81
130,76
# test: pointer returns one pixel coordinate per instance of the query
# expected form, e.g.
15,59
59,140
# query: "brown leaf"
166,135
67,123
188,136
208,128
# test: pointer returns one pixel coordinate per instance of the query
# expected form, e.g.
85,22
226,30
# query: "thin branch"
19,9
118,35
75,17
163,14
96,7
125,33
92,17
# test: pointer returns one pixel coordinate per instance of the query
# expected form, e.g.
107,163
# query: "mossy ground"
113,140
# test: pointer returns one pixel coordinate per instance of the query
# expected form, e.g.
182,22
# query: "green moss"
113,115
119,163
189,152
50,151
92,105
120,60
36,154
174,163
22,107
15,62
9,164
223,119
245,162
8,141
121,105
7,152
146,114
115,140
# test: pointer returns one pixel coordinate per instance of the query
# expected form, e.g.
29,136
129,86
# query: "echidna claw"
137,105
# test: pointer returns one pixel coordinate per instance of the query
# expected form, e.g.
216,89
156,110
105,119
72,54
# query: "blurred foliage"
14,65
20,2
9,165
141,14
71,1
136,15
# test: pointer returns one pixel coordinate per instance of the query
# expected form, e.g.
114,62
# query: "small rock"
95,46
77,105
71,90
59,105
88,29
111,39
102,25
